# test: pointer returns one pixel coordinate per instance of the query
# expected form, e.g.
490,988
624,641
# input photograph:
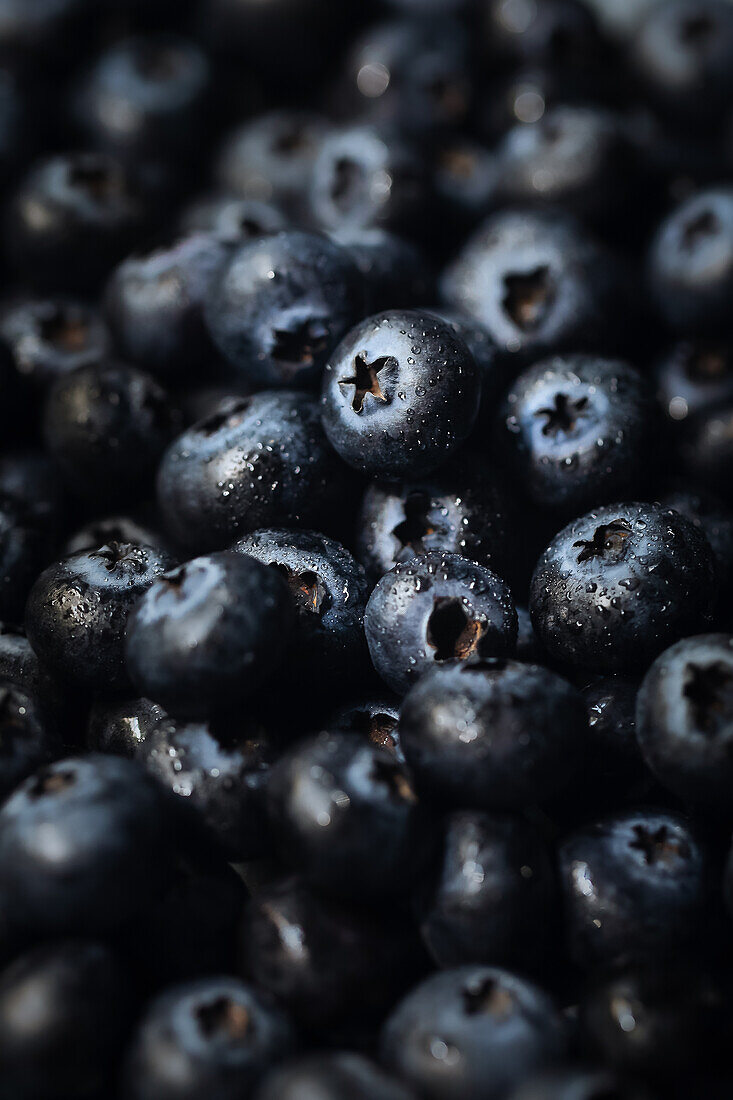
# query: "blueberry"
50,337
332,1076
78,610
65,1009
345,814
195,662
464,178
231,219
281,304
106,426
220,773
436,610
693,376
25,548
492,733
400,394
71,219
259,461
313,953
375,717
472,1032
618,585
555,33
123,529
715,519
636,887
31,478
216,1036
396,272
464,509
539,284
691,263
155,302
576,431
685,719
85,844
614,772
121,725
581,1083
19,665
493,896
27,738
330,591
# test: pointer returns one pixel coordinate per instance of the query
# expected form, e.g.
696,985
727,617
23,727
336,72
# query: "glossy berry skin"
311,953
655,1023
232,220
85,844
120,726
154,305
500,1026
259,461
691,264
436,610
90,215
367,177
614,772
28,739
157,84
463,508
684,720
65,1008
270,159
220,773
279,329
329,591
618,585
215,1036
19,665
575,431
537,283
78,610
194,663
376,718
492,733
106,426
636,887
50,337
400,394
714,519
492,898
371,842
331,1076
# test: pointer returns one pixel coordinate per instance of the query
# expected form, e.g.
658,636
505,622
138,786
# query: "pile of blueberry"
366,549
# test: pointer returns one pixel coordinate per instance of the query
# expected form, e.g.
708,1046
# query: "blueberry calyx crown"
365,380
527,297
452,632
608,542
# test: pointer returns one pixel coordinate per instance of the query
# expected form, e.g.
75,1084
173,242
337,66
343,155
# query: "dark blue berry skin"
682,53
472,1033
367,177
463,508
70,220
281,304
705,449
154,305
396,273
538,284
113,529
636,888
400,394
259,461
436,610
330,591
715,520
332,1076
19,665
376,718
106,426
220,773
27,737
232,220
78,610
576,431
618,585
493,896
85,845
65,1010
31,478
216,1037
464,179
50,337
577,1083
158,84
555,33
691,264
121,726
655,1023
194,663
312,953
270,159
373,841
492,733
496,373
693,376
614,772
684,720
25,548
